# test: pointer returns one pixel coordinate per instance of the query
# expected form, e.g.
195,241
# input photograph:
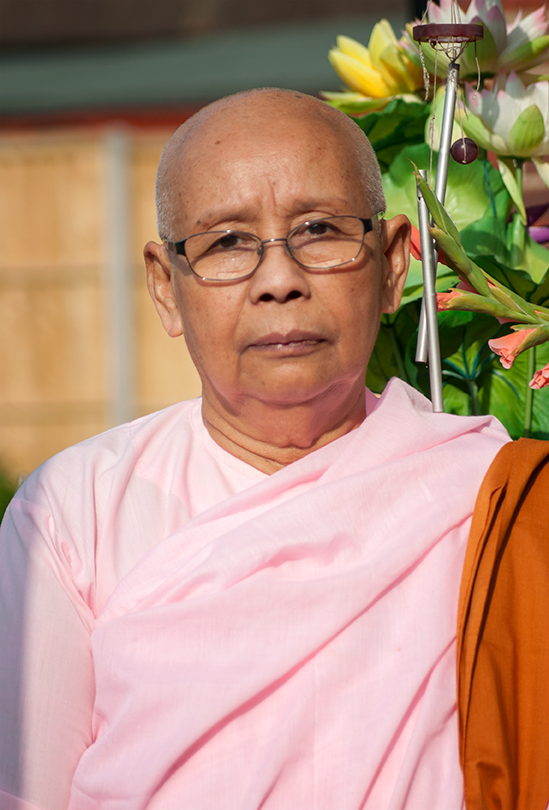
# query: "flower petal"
356,103
509,346
394,71
475,129
540,378
351,47
505,165
525,55
494,19
542,169
527,29
358,76
527,132
382,36
486,53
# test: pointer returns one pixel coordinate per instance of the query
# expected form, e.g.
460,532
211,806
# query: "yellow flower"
380,71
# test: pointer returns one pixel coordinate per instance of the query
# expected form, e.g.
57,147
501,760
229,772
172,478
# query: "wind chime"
452,39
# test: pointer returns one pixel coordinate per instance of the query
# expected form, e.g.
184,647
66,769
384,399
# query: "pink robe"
257,642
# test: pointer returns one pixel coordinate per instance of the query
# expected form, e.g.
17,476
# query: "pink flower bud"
444,298
415,247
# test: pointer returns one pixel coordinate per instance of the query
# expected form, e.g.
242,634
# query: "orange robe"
503,636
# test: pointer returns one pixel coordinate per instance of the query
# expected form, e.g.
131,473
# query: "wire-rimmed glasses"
317,245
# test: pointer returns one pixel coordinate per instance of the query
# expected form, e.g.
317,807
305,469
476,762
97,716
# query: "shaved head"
259,110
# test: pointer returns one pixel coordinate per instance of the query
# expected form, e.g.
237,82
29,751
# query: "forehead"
251,165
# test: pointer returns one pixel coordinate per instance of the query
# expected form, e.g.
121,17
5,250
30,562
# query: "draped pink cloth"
178,630
294,645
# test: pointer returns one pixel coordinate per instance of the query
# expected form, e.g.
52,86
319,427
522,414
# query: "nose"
279,277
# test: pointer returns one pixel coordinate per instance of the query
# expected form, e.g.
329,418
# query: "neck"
271,437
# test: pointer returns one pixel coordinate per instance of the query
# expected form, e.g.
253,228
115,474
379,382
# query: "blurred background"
90,90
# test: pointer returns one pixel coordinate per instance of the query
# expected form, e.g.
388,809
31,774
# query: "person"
250,600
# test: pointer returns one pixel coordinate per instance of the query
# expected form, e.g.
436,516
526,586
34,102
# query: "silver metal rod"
430,304
440,183
118,279
446,131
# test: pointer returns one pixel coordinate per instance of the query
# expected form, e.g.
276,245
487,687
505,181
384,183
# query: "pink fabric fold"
294,646
9,802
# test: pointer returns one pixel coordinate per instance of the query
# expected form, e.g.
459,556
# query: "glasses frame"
179,247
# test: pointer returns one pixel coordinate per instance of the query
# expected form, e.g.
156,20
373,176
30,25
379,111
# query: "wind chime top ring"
448,33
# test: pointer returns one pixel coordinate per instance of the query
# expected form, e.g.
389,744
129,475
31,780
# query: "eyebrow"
215,216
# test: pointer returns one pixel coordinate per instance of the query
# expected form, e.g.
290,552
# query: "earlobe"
396,250
160,286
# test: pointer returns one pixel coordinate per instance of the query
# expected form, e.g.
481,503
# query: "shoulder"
92,510
404,420
95,463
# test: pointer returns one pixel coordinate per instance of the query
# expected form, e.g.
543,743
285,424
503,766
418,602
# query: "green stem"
473,393
518,174
487,178
519,231
529,396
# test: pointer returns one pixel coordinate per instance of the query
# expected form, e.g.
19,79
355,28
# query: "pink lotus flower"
509,346
540,378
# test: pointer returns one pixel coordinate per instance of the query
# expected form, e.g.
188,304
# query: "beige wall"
54,344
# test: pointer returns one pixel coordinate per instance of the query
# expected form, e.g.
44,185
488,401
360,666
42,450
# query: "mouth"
295,342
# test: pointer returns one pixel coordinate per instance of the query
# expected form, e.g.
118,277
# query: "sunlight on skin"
282,355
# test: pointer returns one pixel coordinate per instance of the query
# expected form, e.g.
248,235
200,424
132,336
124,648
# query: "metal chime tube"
430,303
428,324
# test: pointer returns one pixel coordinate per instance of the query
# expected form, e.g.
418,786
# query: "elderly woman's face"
283,336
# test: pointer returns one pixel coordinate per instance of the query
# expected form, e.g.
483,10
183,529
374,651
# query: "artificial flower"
415,246
506,46
375,74
540,378
512,120
510,346
465,298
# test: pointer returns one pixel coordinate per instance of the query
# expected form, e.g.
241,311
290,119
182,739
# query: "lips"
295,339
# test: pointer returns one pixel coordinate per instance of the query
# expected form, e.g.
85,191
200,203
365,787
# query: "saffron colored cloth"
503,639
179,630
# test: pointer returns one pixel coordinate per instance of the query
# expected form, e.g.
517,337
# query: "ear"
160,285
395,241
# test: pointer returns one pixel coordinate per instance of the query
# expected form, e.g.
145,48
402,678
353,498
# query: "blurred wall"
60,363
56,22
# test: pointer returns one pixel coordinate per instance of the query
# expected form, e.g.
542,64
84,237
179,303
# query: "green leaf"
460,262
535,259
400,124
477,183
540,293
507,170
388,357
517,280
437,210
486,236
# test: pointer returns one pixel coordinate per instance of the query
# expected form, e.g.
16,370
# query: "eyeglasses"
318,245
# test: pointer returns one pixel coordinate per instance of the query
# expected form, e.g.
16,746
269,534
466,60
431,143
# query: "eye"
319,227
227,241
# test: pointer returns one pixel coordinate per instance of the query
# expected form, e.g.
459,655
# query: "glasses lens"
326,243
222,255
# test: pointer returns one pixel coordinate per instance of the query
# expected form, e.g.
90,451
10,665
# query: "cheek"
361,313
210,321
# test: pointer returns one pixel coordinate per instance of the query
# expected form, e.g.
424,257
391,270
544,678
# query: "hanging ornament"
464,150
450,38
